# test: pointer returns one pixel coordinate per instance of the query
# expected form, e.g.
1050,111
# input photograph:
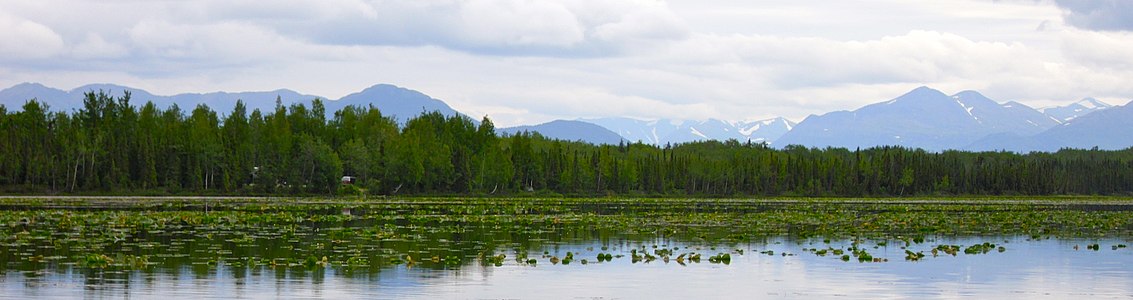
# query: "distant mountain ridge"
400,103
569,131
922,118
1108,129
221,102
664,131
1076,109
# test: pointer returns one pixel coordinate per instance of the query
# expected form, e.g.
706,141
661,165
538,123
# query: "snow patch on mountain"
1075,110
967,108
665,131
922,118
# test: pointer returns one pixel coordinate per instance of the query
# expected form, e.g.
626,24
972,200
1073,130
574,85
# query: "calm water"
1046,268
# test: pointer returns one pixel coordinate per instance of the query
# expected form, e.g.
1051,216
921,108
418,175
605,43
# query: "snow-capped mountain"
634,130
1011,117
767,130
922,118
1107,129
711,129
1076,109
660,132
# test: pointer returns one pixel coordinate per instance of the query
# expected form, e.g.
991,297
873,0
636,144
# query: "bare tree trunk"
91,169
75,174
310,174
599,187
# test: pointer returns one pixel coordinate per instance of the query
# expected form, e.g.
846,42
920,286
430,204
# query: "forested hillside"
110,146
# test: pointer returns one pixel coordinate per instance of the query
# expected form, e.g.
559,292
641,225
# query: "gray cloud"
523,61
491,27
1108,15
26,39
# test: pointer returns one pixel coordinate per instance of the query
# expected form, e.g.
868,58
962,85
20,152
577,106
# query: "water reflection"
1027,269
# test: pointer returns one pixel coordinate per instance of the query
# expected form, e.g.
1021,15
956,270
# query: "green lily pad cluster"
304,234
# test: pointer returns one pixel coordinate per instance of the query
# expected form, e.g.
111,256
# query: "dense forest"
113,147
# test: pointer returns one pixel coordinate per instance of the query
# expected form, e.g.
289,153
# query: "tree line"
110,146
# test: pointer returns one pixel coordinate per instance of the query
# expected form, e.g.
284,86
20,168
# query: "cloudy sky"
529,61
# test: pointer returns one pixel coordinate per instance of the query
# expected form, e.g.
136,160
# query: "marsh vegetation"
445,233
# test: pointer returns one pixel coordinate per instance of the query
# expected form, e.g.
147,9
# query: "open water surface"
779,267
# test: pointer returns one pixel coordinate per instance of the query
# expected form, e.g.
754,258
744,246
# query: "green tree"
205,148
318,168
238,162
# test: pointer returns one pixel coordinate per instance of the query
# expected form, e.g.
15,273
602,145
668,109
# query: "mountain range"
922,118
1073,110
400,103
1108,129
569,130
661,132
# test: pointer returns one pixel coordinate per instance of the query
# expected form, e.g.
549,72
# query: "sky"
529,61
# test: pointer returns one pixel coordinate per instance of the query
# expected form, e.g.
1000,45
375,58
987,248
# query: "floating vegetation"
979,248
863,256
494,260
447,233
722,258
95,261
913,256
946,249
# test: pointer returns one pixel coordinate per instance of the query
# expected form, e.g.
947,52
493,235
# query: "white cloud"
24,39
280,11
1108,50
525,61
492,27
648,22
167,48
507,23
780,75
95,47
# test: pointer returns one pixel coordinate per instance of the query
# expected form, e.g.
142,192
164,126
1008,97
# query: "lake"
260,249
1049,268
